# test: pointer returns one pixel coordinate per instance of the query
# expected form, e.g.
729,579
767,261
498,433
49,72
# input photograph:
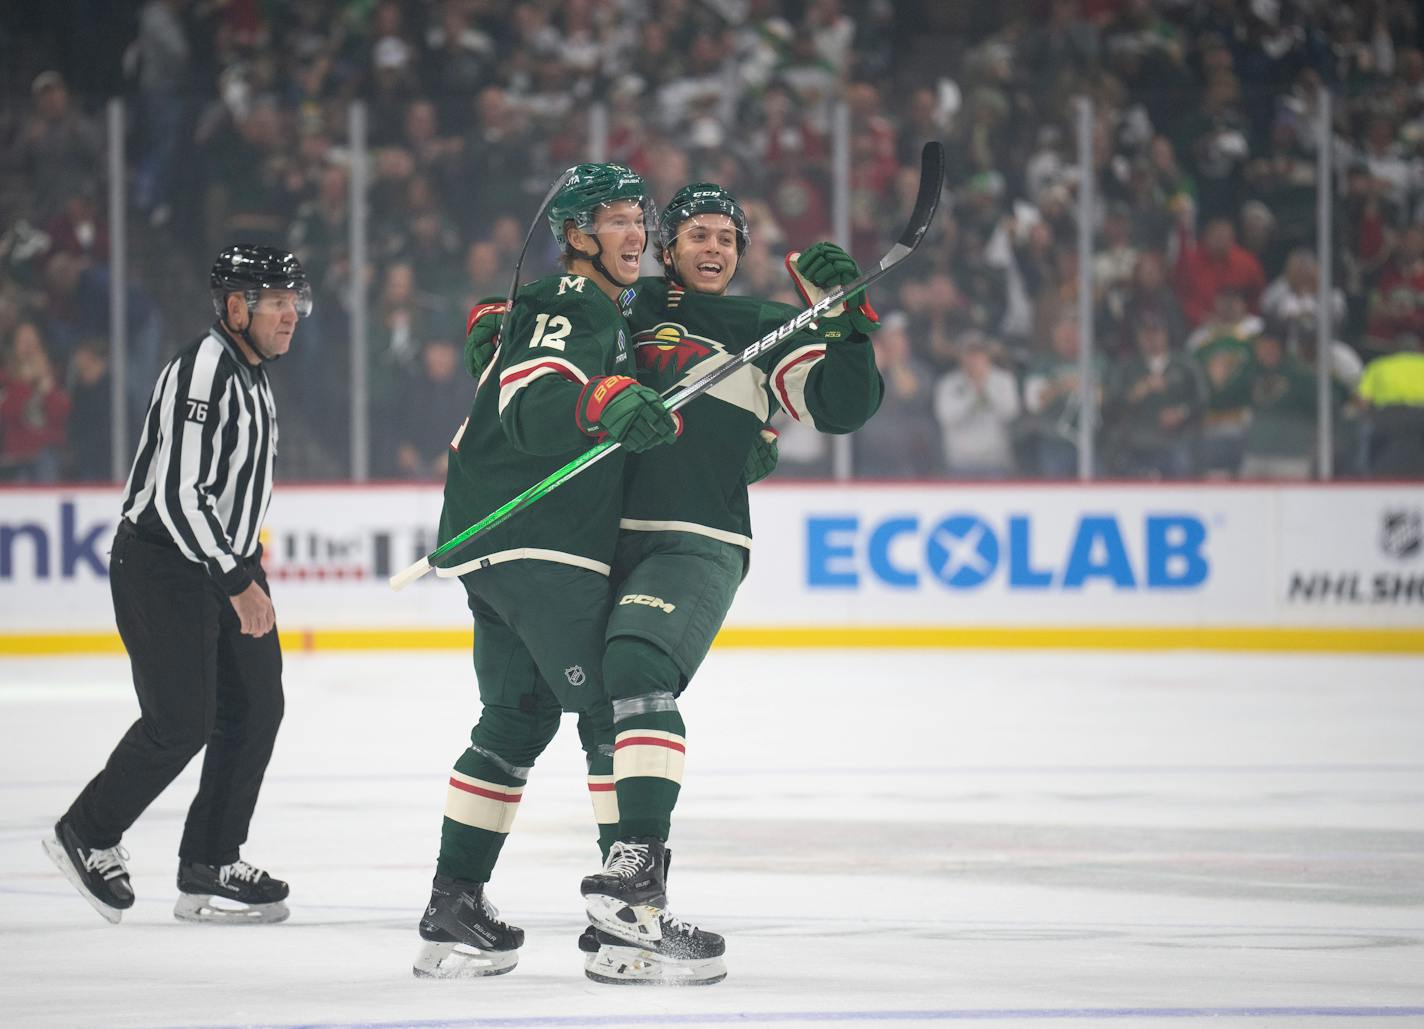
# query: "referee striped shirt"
202,477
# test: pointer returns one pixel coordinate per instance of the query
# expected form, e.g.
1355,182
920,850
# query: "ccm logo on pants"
646,601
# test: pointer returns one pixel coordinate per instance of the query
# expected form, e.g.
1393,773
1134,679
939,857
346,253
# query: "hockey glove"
821,268
761,459
618,408
482,334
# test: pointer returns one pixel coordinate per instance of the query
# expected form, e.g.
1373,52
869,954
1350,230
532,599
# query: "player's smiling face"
704,252
621,232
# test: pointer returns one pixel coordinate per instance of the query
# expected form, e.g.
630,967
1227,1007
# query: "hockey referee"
193,609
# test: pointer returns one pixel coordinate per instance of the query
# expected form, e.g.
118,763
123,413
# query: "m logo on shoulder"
571,282
198,411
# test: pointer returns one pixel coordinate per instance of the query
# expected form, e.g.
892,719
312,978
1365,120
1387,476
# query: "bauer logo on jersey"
671,348
647,601
575,675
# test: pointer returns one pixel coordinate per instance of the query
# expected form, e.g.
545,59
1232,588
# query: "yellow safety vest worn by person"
1396,380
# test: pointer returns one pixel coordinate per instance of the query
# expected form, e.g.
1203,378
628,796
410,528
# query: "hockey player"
685,538
538,589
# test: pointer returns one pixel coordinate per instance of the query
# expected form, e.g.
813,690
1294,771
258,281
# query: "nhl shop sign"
1394,577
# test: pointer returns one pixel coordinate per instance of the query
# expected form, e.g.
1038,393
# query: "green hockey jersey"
696,484
563,332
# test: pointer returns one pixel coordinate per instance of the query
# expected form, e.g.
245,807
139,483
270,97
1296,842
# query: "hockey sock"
486,786
649,737
596,734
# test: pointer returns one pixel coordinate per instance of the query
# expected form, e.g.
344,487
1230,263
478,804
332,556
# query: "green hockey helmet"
704,198
589,188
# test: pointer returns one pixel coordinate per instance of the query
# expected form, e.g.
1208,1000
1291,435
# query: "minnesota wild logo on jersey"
696,485
669,349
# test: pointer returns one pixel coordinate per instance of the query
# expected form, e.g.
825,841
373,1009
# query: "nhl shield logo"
1402,533
575,675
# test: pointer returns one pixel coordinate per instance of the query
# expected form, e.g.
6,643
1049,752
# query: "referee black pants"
200,682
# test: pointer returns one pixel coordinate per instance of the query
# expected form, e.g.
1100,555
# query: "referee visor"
278,301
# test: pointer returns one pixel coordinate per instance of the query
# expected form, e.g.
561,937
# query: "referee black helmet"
249,268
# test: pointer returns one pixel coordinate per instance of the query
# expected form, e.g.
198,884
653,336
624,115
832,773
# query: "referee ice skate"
192,607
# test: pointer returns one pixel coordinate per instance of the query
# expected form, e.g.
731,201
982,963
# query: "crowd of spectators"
1204,161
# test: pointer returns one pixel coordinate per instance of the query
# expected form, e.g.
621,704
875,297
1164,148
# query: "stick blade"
927,200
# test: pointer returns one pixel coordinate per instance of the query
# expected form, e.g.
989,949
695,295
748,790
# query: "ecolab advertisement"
831,557
1168,556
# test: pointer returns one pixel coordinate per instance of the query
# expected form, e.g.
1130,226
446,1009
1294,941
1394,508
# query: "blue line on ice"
945,1015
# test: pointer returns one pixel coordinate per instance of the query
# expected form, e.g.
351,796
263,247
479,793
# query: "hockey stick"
927,200
559,184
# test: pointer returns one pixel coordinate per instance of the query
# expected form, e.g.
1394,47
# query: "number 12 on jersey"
550,332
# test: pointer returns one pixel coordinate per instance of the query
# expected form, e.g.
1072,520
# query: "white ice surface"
884,838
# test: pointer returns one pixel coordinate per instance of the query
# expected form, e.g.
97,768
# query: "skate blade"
56,853
203,907
461,961
635,966
636,923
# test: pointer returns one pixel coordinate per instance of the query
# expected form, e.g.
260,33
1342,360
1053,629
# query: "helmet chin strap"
670,271
247,338
597,260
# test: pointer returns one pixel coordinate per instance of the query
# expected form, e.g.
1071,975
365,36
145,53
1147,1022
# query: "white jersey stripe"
788,378
517,377
139,487
744,388
250,440
655,525
194,499
258,510
165,457
522,554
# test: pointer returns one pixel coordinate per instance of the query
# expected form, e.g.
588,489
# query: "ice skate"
98,873
235,894
684,956
464,937
626,898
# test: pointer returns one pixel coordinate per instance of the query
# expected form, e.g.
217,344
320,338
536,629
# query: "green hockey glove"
761,459
820,268
482,333
618,408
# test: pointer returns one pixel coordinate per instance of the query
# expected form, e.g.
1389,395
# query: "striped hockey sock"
480,804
